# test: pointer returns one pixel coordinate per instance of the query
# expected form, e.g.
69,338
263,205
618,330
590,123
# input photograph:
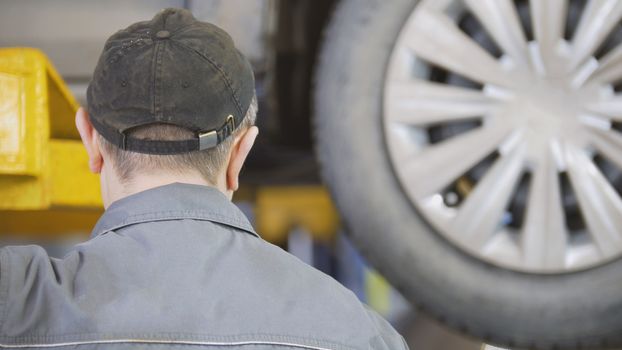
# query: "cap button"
163,34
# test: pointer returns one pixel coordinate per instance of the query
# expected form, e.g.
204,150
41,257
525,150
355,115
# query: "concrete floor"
422,333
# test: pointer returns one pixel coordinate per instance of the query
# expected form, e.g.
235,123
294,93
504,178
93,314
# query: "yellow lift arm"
45,185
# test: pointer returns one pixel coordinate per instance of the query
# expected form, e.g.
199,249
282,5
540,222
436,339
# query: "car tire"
579,309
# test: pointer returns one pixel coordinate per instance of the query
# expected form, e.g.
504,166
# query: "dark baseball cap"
174,70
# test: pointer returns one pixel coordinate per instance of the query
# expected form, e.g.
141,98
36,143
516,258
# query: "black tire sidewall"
508,307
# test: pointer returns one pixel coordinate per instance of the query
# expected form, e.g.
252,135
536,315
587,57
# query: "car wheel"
474,149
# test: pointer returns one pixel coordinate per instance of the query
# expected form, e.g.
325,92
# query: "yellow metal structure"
42,163
279,210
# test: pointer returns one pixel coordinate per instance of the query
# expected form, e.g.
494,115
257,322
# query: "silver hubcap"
503,124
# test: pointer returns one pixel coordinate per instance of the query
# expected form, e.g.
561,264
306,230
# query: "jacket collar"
173,202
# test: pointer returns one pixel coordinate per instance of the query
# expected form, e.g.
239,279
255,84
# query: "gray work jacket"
178,267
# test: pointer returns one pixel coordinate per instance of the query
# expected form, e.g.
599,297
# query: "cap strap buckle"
228,127
212,138
208,140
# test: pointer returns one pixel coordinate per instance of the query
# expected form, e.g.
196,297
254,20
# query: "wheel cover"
502,120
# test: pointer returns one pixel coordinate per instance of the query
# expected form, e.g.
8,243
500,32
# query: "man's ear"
89,139
241,148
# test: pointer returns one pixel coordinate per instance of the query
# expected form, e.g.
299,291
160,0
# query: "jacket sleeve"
35,292
386,337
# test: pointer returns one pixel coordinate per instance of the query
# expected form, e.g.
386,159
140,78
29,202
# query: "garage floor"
425,334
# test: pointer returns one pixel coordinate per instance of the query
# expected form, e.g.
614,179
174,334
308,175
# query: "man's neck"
113,189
